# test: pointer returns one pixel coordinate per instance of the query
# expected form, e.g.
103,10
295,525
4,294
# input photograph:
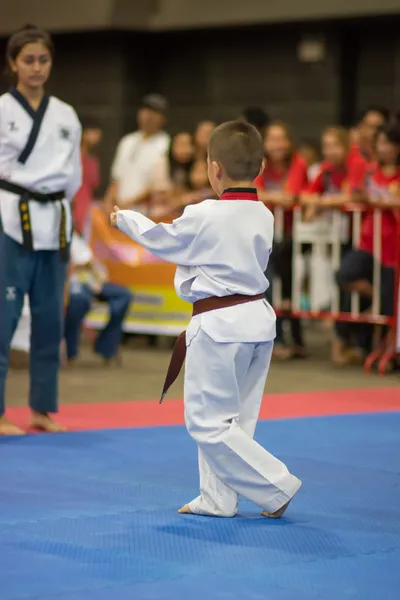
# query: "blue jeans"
80,302
41,275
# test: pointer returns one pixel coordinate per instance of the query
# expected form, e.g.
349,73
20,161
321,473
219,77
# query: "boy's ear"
217,169
262,168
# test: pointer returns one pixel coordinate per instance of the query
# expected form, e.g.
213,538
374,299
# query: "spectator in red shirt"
283,179
379,187
338,176
91,137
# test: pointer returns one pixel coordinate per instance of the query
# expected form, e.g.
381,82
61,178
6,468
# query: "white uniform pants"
224,384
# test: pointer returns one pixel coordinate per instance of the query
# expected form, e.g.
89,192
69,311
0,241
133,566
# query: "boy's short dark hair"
238,147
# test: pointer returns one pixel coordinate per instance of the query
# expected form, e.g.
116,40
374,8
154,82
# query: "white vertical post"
296,251
377,252
335,255
278,235
356,224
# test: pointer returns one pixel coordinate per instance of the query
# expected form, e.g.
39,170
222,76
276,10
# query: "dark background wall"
216,73
162,15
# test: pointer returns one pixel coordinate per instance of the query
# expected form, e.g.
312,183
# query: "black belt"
24,196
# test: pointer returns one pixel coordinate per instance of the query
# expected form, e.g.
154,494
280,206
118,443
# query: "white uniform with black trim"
222,248
53,165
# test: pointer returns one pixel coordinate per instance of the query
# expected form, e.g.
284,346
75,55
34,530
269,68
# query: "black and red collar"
239,194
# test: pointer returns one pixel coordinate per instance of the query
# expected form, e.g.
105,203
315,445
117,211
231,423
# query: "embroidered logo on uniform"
11,293
12,126
65,133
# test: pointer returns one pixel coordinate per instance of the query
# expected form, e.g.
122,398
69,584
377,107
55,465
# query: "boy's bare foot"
8,428
43,422
185,510
278,513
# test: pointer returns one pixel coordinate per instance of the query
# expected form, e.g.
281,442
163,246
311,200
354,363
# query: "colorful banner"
156,308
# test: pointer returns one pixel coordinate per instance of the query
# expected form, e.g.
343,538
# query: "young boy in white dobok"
222,249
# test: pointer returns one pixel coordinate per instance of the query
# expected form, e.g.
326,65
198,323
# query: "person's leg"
80,300
388,276
355,269
119,300
15,276
282,263
47,303
296,327
213,410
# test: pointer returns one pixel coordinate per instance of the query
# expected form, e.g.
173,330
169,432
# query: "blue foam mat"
92,516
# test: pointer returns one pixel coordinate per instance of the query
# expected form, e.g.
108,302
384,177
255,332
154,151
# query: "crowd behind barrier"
336,253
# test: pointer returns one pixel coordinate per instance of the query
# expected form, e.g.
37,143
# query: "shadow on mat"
288,536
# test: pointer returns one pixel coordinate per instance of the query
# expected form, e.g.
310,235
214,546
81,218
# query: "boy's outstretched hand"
113,216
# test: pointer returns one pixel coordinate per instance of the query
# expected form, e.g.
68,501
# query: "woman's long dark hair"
289,136
177,169
391,131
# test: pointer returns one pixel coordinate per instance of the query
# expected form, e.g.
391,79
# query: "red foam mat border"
114,415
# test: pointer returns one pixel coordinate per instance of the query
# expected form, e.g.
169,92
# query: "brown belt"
199,307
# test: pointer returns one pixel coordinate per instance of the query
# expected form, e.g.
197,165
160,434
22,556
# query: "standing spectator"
257,117
136,157
91,137
202,137
283,179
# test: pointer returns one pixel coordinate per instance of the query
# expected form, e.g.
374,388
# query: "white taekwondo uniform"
40,172
221,249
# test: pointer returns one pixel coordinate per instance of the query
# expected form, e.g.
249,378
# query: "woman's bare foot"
8,428
278,513
185,510
43,422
